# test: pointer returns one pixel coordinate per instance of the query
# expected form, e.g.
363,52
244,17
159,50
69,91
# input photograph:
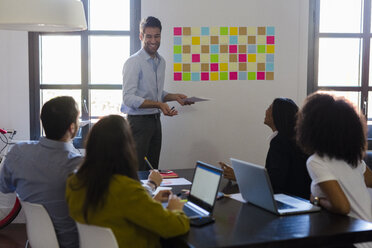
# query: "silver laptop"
203,191
255,187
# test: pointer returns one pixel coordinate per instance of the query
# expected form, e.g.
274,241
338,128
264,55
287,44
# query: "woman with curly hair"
334,133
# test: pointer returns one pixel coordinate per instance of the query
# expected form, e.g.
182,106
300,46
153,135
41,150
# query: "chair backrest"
40,229
91,236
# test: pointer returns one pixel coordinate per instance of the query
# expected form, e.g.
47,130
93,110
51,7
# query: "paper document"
172,181
237,197
161,188
196,99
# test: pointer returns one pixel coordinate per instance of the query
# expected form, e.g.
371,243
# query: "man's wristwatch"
316,201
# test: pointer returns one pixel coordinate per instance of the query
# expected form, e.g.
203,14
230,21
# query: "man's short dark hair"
150,21
57,115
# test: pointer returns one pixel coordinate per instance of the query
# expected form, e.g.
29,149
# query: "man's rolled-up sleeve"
131,74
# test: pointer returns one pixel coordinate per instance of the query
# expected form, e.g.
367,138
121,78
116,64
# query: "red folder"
168,174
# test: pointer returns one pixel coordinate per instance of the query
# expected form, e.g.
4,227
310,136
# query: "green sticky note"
214,58
224,76
224,30
186,76
177,49
261,48
251,76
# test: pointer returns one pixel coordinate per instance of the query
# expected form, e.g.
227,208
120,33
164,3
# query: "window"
339,50
86,65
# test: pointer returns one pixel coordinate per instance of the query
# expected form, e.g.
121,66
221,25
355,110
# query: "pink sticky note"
243,57
270,39
261,75
205,76
177,31
233,75
233,48
196,58
214,67
177,76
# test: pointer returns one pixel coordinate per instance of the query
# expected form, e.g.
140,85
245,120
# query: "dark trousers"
147,135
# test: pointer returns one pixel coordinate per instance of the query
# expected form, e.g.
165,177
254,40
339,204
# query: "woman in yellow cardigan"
106,190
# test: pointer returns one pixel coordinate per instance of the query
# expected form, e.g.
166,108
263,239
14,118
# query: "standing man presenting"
144,97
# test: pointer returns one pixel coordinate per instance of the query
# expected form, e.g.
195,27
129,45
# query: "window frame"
35,85
313,53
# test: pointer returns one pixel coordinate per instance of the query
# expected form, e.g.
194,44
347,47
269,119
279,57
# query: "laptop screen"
205,183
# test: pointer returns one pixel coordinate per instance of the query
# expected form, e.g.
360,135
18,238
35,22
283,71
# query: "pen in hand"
148,163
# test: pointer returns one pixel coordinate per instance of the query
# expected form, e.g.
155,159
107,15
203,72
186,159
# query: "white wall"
14,96
231,124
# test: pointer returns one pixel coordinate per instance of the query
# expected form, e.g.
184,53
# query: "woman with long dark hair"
106,190
285,162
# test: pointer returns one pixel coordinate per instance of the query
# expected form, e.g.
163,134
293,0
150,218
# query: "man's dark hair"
150,21
57,115
331,126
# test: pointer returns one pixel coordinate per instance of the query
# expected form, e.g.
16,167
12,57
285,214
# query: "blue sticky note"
269,66
251,48
215,48
195,76
269,58
205,31
242,75
233,39
177,58
177,40
270,30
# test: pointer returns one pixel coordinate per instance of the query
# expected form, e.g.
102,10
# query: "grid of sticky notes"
223,53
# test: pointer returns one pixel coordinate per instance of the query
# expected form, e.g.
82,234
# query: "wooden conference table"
244,225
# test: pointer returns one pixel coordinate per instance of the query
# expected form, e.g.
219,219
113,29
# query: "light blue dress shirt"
143,78
37,172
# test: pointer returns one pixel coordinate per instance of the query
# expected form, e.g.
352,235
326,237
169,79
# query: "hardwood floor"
13,236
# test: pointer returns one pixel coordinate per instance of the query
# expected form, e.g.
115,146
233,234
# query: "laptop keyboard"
189,212
282,205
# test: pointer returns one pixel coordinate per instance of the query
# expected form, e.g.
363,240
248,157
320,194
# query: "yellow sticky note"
214,76
251,57
224,66
233,31
195,40
270,49
177,67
